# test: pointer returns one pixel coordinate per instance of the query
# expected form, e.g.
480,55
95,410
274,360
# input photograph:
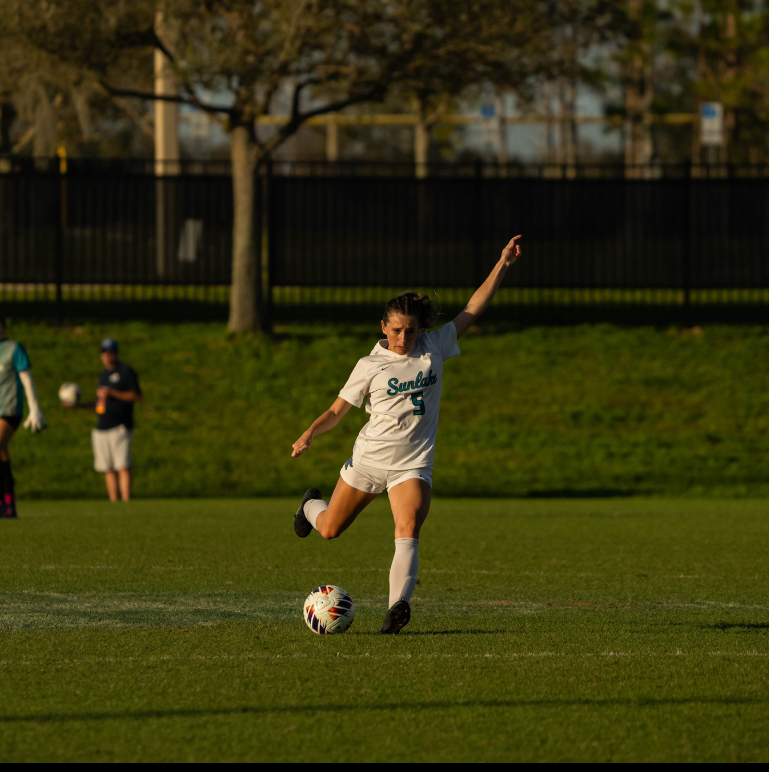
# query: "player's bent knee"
332,532
329,530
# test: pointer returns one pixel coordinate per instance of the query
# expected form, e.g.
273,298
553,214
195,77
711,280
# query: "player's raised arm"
324,423
481,298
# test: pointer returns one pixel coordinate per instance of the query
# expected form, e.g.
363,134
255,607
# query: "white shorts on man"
111,449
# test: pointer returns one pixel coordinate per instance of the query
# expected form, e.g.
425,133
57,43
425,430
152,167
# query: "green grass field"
540,411
631,629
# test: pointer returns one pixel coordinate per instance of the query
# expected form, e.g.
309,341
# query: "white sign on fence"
190,241
712,124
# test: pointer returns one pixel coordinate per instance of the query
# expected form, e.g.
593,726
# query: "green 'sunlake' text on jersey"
404,396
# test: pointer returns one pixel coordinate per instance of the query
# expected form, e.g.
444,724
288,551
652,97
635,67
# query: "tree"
675,55
30,98
730,43
46,104
234,59
577,29
496,43
636,62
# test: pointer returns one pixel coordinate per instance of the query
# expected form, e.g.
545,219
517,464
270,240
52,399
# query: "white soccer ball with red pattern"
328,610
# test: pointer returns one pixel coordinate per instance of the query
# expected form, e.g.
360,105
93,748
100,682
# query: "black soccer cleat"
302,527
396,618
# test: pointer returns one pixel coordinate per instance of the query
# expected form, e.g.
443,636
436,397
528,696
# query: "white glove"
35,421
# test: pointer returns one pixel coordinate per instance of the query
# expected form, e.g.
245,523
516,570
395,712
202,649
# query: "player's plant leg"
410,502
110,478
7,490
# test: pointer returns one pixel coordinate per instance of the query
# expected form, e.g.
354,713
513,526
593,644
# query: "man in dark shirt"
111,439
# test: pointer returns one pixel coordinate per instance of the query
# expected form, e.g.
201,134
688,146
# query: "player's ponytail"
411,304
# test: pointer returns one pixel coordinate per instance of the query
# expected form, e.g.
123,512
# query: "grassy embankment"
562,411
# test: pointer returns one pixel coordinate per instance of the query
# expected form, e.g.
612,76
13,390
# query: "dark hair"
411,304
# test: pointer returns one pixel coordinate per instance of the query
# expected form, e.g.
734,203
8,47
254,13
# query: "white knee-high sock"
403,572
312,509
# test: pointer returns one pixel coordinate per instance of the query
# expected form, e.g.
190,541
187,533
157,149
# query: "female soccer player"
15,380
402,377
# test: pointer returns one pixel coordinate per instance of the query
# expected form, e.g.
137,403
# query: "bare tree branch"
190,99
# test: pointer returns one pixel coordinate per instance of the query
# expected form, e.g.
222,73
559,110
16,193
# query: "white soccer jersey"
404,401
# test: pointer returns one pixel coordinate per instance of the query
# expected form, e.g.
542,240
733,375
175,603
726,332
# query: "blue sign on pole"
712,124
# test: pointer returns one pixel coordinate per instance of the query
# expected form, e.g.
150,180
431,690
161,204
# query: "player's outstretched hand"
302,444
35,422
512,251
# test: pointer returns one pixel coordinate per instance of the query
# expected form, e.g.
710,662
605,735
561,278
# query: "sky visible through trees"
76,75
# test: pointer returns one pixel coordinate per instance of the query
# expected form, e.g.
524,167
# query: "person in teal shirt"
15,382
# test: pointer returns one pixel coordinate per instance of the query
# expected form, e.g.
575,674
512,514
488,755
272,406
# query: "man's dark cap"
108,344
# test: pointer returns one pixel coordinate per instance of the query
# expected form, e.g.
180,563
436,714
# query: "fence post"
686,251
477,210
59,215
265,246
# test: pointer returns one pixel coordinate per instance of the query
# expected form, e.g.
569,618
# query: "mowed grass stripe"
30,610
317,657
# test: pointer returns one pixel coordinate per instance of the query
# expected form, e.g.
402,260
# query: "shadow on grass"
448,632
141,715
588,493
738,626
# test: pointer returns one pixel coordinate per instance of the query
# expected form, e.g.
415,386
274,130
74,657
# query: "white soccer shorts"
371,480
111,449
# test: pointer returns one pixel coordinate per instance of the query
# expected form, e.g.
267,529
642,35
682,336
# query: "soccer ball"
69,394
328,610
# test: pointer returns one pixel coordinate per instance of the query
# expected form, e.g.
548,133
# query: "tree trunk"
502,138
7,117
639,92
567,124
639,148
631,109
697,170
46,139
571,141
730,75
563,151
551,126
245,293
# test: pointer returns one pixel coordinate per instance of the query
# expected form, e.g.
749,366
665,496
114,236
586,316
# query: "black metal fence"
334,235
